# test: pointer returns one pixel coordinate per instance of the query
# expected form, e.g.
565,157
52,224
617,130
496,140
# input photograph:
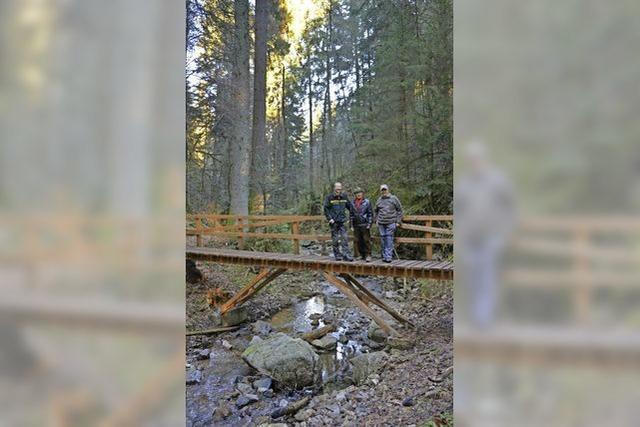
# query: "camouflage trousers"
340,241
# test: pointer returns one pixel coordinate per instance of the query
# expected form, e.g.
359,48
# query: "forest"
284,97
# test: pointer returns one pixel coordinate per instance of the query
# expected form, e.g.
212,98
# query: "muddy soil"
414,387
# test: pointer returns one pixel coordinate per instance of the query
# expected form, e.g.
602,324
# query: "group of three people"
387,214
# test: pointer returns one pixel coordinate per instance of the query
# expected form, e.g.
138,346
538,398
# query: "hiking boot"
368,259
348,259
386,260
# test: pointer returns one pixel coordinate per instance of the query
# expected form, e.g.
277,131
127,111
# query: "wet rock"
367,364
204,354
343,339
274,425
408,401
193,275
226,344
376,333
260,327
314,322
390,294
235,316
264,383
290,361
246,400
267,393
222,411
328,342
315,316
194,376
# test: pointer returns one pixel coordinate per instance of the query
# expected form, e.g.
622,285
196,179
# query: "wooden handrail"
244,226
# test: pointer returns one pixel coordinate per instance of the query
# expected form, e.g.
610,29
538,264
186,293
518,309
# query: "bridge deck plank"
397,268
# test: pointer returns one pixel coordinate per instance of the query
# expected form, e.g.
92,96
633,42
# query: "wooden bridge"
442,270
339,273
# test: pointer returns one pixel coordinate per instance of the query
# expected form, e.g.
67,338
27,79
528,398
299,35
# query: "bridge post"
241,240
295,229
428,246
582,293
199,228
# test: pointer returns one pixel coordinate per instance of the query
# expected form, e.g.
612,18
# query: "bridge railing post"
295,230
243,230
582,293
199,229
428,246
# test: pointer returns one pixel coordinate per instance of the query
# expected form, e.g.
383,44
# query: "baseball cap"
384,187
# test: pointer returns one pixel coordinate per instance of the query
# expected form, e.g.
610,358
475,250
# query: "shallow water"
296,319
223,366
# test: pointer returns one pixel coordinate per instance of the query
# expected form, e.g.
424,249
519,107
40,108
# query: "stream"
223,368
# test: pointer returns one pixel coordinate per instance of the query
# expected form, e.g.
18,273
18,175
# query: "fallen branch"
292,408
318,333
212,331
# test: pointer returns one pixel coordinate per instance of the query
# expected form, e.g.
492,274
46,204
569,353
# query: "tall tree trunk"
311,141
259,90
240,150
327,112
285,144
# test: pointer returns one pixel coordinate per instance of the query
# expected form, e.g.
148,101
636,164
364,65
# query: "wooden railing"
253,226
579,254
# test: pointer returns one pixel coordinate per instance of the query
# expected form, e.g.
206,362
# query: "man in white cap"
388,214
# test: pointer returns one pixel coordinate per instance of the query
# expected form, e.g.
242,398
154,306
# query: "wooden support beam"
374,299
258,282
345,289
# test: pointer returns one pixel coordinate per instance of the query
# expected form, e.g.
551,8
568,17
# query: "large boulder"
367,364
235,316
290,361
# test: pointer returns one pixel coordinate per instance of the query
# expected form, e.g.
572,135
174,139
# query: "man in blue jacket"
335,206
361,219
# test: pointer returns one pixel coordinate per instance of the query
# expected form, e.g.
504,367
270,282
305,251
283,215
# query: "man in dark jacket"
361,219
388,212
335,207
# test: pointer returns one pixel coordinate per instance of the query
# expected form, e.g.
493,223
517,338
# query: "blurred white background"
547,198
92,212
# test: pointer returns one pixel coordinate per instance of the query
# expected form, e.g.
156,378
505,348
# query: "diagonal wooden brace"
346,289
374,299
260,281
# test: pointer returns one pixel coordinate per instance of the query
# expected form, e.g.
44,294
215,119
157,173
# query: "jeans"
480,268
386,240
340,240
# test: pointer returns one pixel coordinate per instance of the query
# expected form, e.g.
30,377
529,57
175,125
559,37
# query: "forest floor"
415,386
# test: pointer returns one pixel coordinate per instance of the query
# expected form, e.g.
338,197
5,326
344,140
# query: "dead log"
318,333
212,331
292,408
